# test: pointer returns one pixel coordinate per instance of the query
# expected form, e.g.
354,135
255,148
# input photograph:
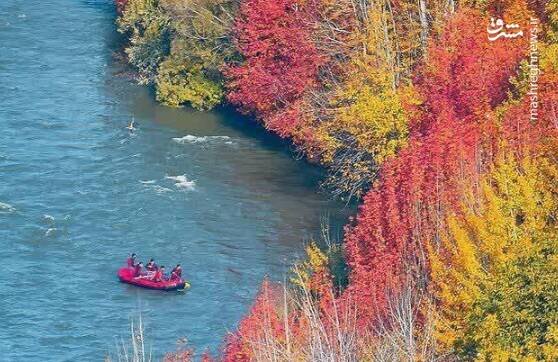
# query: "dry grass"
335,336
134,349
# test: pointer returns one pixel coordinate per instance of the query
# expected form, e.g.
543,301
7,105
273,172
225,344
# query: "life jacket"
158,276
130,262
175,276
177,271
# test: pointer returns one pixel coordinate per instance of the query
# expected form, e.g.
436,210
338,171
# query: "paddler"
159,275
131,261
138,269
151,266
176,273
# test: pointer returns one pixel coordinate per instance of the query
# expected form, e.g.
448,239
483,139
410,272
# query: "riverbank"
424,120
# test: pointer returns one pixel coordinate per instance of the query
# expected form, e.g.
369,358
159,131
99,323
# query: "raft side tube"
126,275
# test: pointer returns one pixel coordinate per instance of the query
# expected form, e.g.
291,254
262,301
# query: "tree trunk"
423,26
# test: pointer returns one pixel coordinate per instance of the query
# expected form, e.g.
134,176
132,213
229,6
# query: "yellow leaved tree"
494,274
365,121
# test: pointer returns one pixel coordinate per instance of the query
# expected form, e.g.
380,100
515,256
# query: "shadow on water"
144,106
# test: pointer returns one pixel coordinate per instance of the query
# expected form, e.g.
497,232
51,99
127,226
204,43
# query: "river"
78,192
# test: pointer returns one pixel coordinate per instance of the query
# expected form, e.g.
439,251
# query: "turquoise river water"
78,192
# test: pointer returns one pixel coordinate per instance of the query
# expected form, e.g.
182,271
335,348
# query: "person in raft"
159,275
131,261
176,273
151,266
138,269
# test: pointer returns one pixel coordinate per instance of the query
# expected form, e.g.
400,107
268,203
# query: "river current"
78,192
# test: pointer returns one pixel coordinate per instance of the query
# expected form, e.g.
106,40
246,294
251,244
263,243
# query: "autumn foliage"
449,147
413,110
280,62
264,322
120,4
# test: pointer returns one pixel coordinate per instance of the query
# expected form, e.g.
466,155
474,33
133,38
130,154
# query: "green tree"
200,46
147,28
180,46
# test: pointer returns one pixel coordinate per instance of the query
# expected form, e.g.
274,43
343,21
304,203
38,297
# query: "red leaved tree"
120,5
262,325
279,64
451,142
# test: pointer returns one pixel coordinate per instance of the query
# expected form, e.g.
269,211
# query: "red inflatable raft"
126,275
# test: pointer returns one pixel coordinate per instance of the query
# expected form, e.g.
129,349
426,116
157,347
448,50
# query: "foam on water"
6,208
160,189
152,185
182,182
200,139
51,231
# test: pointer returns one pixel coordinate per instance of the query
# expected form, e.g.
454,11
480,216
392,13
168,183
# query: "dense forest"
446,136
